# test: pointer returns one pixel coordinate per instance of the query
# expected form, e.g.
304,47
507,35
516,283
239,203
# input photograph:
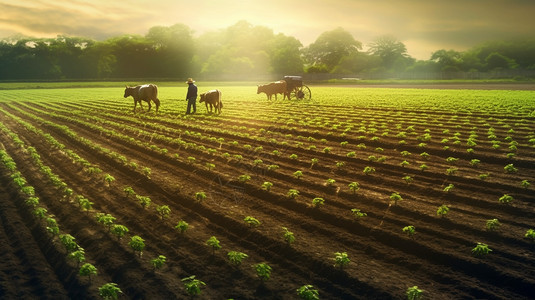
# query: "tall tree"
330,47
389,49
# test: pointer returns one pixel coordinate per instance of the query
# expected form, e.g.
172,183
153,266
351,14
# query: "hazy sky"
424,26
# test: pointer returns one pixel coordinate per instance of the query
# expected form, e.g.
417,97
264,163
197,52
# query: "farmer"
191,97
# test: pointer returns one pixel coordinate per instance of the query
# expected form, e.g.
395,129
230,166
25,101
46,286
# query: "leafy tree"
330,47
389,49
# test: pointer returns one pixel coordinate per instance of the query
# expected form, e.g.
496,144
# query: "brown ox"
146,92
213,98
274,88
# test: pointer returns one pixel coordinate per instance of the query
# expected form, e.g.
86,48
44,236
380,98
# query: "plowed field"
462,149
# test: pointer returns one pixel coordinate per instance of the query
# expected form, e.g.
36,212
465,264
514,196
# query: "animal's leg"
135,105
149,105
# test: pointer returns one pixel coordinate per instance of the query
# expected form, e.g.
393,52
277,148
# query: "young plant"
236,257
129,191
493,224
451,171
182,226
298,174
408,179
423,167
68,242
404,163
368,170
164,211
293,156
266,186
525,184
288,236
354,187
292,194
409,230
395,197
105,219
78,256
87,269
442,211
158,262
510,168
252,222
119,231
108,179
330,182
200,196
340,165
137,244
341,259
109,291
214,243
308,292
481,250
313,162
449,188
272,167
414,293
145,201
192,285
530,234
318,202
358,214
474,162
244,178
506,199
263,271
210,166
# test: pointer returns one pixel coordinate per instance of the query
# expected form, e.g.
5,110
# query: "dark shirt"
192,91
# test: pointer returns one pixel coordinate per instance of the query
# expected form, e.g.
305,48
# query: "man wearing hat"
191,96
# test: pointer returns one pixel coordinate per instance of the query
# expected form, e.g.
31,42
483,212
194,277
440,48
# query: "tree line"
240,51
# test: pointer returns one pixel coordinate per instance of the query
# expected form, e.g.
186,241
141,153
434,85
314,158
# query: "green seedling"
158,262
109,291
288,236
493,224
409,230
252,222
308,292
263,271
192,285
341,259
481,250
414,293
214,243
182,226
442,211
236,257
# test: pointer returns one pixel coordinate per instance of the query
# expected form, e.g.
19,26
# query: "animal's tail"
220,102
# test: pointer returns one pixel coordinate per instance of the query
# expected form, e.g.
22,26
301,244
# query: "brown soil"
384,260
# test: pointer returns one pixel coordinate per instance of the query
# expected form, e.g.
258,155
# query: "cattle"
213,98
146,92
274,88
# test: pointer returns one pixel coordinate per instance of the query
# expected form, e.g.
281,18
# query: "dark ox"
146,92
213,98
274,88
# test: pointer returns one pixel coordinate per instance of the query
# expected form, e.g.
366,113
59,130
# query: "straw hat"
190,80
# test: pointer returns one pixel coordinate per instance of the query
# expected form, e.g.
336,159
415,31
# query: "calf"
213,98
